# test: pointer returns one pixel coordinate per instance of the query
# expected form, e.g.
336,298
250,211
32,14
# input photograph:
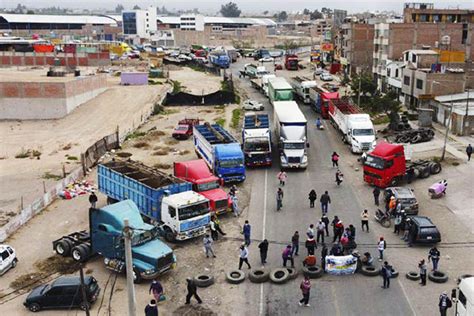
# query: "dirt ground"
196,82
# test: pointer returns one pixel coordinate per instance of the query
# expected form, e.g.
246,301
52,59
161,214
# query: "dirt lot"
196,82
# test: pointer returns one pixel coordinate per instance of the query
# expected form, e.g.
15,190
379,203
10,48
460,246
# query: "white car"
184,57
266,59
252,105
326,76
318,71
8,258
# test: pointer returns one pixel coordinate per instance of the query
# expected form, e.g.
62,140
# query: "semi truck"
386,166
463,296
291,62
219,59
162,199
150,256
262,83
204,182
291,134
254,71
356,127
302,87
320,100
256,140
279,90
221,151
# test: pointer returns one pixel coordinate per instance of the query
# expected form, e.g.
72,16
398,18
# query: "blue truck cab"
220,59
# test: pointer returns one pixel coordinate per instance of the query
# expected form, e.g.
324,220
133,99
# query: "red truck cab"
385,164
204,182
184,129
291,62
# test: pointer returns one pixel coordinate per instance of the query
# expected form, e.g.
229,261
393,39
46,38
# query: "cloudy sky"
246,5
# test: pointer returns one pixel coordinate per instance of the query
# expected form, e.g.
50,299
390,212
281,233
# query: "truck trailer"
320,97
279,90
256,140
302,88
291,134
221,151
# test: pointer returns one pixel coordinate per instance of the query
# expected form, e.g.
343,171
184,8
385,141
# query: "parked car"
64,293
318,71
266,59
407,198
252,105
423,231
325,76
184,57
8,259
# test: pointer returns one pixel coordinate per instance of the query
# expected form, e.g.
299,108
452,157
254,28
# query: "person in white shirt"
243,257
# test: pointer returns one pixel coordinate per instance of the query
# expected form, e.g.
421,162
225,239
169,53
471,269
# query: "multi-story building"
139,24
354,45
426,12
338,17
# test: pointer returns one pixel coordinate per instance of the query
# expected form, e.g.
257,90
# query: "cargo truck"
221,151
219,59
356,127
254,71
256,140
320,100
204,182
150,256
302,87
291,62
279,90
386,166
291,133
162,199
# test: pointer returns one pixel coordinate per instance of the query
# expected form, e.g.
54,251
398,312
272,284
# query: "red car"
184,129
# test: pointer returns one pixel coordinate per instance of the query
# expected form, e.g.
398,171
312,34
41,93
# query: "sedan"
252,105
325,76
266,59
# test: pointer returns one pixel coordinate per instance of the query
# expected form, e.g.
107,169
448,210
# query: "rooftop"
67,19
455,97
219,20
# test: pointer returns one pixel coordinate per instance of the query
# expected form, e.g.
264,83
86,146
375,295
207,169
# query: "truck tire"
279,275
34,307
137,278
395,181
438,276
435,167
416,139
235,276
395,274
169,235
80,253
63,247
416,173
386,223
203,280
84,305
313,272
369,271
425,172
412,275
259,275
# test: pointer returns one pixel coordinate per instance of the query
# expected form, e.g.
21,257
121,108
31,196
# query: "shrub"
236,117
221,122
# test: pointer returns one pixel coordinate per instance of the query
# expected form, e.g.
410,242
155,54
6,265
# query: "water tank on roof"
446,40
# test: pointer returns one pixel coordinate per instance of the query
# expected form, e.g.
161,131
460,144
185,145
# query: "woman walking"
312,197
335,159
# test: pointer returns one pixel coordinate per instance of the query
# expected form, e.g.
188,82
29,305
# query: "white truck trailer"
302,87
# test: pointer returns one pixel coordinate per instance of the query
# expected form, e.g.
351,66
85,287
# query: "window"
172,211
388,72
129,23
419,84
462,298
4,255
71,290
396,73
406,56
406,80
413,58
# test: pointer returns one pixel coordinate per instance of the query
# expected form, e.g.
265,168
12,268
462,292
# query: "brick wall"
45,59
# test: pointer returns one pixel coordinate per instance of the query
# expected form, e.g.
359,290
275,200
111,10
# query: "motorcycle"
438,189
383,218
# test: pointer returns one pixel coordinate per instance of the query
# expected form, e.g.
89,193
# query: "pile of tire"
438,276
259,275
415,136
313,272
370,271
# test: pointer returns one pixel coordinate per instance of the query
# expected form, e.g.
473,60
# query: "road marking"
406,296
263,234
336,304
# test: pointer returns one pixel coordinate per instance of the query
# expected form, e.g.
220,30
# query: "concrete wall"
47,59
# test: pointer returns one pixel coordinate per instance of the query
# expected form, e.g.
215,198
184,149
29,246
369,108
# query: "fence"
90,157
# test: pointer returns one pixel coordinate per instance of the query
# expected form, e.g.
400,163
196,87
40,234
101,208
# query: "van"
423,231
463,297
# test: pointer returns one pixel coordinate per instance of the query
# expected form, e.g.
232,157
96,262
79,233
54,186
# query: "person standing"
151,309
244,257
339,177
305,287
233,190
320,231
325,220
246,229
325,201
282,176
93,200
263,246
295,243
324,253
310,231
207,241
192,291
333,224
434,255
381,246
235,205
335,159
469,152
279,198
364,218
156,289
338,231
444,303
376,193
386,274
217,223
288,255
312,197
397,222
422,266
310,245
212,227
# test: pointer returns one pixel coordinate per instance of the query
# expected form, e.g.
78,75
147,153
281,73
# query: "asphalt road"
330,295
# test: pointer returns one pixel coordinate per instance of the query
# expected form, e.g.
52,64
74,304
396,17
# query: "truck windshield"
231,163
181,128
207,186
141,237
256,144
193,210
363,132
293,146
375,162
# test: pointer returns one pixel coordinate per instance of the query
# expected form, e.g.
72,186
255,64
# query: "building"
461,102
338,17
425,12
194,22
139,24
355,46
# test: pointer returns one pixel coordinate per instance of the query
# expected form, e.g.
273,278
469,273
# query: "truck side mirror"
307,145
221,182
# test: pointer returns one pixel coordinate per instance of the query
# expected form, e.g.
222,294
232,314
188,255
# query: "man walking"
295,243
305,287
469,152
151,309
376,193
381,246
207,241
325,201
335,159
325,220
156,289
288,255
263,246
444,303
386,274
282,176
279,198
364,218
213,228
93,200
434,255
246,231
192,291
310,231
320,231
422,266
244,256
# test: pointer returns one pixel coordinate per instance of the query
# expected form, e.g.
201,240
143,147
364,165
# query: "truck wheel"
395,181
386,223
435,167
313,272
169,235
84,305
293,273
370,271
235,276
63,247
416,139
79,253
279,275
425,172
412,275
137,279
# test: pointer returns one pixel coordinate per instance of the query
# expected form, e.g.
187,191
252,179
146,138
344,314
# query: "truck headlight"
283,159
374,143
219,175
150,271
304,159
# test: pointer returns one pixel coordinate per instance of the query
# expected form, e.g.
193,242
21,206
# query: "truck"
162,199
265,80
302,85
291,133
463,296
320,100
221,151
184,129
150,256
204,182
256,140
291,62
279,90
219,59
356,127
254,71
386,166
261,53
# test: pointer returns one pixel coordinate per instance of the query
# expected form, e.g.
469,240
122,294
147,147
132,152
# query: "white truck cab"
360,133
463,302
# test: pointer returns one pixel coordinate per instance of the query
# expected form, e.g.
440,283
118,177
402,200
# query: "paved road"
331,295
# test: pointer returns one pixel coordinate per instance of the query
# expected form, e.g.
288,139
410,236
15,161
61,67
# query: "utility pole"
447,130
466,116
359,72
83,290
127,235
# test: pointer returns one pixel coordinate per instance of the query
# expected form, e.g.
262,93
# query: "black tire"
203,280
79,253
259,275
137,278
293,273
464,276
435,167
14,262
169,235
369,271
395,181
394,274
235,276
84,305
313,272
63,247
412,275
425,172
34,307
386,223
279,275
438,276
416,173
416,139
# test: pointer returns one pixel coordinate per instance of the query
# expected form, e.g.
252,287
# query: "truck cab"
229,162
385,163
184,129
256,139
463,297
204,182
360,133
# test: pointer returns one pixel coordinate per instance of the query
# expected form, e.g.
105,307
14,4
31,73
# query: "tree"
306,12
327,12
30,12
281,16
265,12
119,8
136,7
230,10
387,103
315,15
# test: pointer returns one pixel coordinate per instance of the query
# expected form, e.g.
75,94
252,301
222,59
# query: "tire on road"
203,280
235,276
293,273
259,275
413,275
394,274
425,172
80,253
386,223
279,275
438,276
370,271
313,272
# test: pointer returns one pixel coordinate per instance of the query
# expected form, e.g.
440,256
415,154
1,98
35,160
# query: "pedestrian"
318,123
376,193
469,152
310,245
310,231
325,220
444,303
324,253
423,268
156,289
336,249
295,243
207,241
151,309
93,200
392,204
246,231
279,198
338,231
282,176
212,227
352,230
320,231
381,246
339,177
244,256
263,246
305,287
335,159
286,255
233,190
333,224
387,271
398,222
325,201
217,223
192,291
434,255
312,197
309,261
235,205
364,218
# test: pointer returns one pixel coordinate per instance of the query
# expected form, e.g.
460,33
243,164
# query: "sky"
247,6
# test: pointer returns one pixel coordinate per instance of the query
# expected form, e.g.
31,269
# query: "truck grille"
293,159
373,175
165,261
221,204
366,146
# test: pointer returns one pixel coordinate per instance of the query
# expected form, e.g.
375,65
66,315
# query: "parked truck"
386,166
184,129
221,151
256,140
463,296
320,97
302,86
291,62
204,182
356,127
261,53
254,71
279,90
150,256
291,133
219,59
162,199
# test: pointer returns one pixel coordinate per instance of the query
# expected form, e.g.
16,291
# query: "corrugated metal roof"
455,97
219,20
69,19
